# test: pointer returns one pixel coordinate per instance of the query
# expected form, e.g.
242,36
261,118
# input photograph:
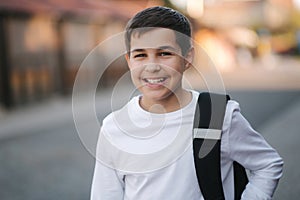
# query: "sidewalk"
51,113
57,111
40,115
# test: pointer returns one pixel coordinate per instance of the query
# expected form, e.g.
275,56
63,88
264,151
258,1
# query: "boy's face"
156,63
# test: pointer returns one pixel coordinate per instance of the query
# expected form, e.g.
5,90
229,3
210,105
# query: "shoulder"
194,93
232,106
235,124
232,109
231,119
111,121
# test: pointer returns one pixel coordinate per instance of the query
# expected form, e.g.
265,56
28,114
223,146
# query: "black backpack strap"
208,123
240,180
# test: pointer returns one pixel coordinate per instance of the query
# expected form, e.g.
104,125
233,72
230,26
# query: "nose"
152,67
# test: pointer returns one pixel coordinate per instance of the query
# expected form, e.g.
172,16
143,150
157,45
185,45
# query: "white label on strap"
214,134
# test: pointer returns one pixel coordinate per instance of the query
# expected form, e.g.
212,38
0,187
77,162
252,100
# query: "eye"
165,53
140,55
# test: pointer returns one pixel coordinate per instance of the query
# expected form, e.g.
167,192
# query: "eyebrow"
137,50
168,48
159,48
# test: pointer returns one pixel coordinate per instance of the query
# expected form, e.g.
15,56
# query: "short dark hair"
160,17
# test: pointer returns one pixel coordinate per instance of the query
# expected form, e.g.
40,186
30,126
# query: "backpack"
208,122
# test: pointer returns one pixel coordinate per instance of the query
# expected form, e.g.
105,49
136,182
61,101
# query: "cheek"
175,64
135,71
133,65
176,69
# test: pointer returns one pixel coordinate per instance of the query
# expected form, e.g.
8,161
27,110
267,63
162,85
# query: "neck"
174,101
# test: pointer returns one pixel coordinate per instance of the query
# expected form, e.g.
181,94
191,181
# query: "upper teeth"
153,81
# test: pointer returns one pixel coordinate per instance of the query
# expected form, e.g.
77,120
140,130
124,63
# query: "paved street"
282,131
42,156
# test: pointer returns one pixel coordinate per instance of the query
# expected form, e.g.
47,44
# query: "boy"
144,150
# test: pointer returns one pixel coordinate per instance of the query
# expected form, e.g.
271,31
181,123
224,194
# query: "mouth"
155,80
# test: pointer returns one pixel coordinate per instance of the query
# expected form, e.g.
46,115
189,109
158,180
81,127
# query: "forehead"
153,39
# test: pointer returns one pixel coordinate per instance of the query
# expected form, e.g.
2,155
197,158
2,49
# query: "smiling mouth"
154,80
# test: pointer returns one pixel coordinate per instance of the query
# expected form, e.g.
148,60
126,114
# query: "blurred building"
43,43
233,33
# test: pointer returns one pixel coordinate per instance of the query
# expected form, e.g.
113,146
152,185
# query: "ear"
127,57
189,58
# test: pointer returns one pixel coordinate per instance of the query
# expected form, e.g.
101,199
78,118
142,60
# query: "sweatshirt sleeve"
107,183
250,149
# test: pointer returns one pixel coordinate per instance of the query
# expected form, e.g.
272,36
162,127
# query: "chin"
157,96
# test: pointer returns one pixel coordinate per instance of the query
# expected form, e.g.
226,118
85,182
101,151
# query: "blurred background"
254,45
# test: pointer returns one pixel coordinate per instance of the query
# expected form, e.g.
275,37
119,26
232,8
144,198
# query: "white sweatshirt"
146,156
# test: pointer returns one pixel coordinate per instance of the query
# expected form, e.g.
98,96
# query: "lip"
154,82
